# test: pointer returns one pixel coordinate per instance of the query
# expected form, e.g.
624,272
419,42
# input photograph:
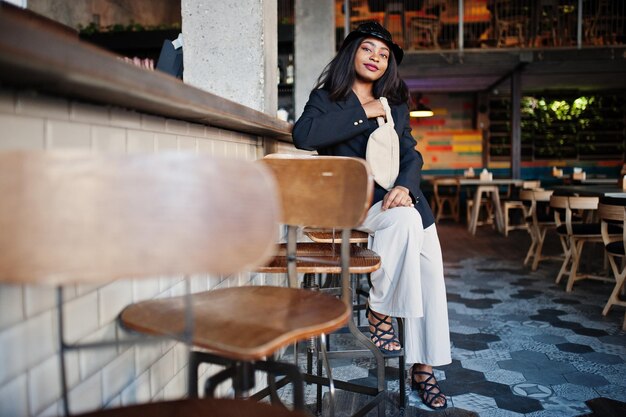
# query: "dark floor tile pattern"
555,342
525,294
482,303
567,301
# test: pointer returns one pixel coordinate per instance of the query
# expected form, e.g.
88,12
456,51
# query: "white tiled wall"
29,366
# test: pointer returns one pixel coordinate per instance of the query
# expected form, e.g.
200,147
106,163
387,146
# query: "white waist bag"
383,150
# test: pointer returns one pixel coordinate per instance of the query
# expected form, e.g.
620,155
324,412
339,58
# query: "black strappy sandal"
426,390
384,337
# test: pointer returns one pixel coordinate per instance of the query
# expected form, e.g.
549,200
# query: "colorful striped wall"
447,140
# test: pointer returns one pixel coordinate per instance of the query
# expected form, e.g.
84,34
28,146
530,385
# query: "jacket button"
356,123
360,121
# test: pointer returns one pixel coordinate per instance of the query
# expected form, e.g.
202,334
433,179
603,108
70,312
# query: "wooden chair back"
562,214
571,209
539,210
534,196
451,184
541,195
526,195
71,217
612,212
531,184
558,201
322,191
583,203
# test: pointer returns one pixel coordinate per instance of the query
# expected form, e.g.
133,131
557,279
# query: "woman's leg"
412,287
428,337
398,239
397,231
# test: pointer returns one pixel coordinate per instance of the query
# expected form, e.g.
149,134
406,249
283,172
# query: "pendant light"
419,109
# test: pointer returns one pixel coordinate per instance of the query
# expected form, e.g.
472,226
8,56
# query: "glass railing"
465,24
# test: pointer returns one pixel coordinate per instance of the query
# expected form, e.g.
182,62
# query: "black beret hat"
376,30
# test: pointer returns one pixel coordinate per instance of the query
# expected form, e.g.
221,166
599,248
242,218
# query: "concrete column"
314,45
231,50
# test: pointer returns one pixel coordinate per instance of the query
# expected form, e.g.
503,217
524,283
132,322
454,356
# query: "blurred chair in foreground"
75,218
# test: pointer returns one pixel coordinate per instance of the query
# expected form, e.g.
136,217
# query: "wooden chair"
446,191
425,27
526,197
541,219
332,193
76,218
239,327
559,205
574,227
511,21
612,212
509,205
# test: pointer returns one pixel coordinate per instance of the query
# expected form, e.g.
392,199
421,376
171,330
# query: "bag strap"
381,121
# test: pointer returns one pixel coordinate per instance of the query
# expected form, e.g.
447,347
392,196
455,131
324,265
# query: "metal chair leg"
401,368
329,374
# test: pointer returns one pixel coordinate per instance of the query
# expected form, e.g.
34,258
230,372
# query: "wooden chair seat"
587,229
615,248
267,318
334,236
199,408
324,258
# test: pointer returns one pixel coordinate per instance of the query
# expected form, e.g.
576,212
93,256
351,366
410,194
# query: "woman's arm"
411,161
324,124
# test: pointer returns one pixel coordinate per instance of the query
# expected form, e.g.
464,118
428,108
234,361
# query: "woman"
337,120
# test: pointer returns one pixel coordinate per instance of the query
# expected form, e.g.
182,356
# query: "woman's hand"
398,196
374,109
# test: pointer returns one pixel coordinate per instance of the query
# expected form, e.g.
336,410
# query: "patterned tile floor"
521,345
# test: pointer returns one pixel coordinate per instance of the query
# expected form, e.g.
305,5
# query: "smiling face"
371,59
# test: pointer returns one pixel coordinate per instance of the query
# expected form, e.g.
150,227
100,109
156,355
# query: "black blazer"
342,129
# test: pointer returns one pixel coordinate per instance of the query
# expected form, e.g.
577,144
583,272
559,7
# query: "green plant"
561,126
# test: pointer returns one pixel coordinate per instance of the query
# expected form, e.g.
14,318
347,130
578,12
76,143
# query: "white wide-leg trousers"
410,282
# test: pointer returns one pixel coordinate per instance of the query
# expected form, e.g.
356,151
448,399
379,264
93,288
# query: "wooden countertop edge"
37,54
